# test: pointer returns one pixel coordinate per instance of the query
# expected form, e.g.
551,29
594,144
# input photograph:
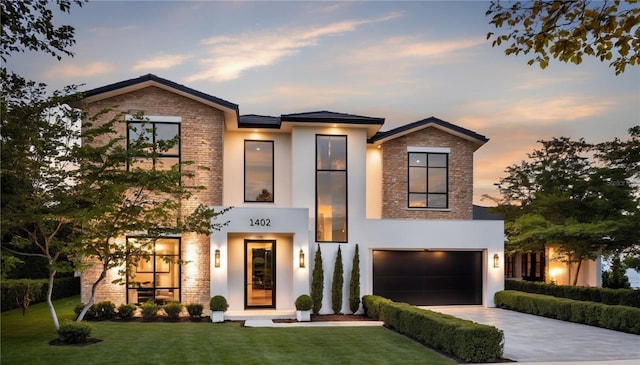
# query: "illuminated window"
428,180
158,143
331,188
156,278
258,171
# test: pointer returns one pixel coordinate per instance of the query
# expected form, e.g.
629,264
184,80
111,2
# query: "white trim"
155,118
429,149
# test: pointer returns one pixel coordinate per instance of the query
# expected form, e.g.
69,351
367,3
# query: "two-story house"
307,180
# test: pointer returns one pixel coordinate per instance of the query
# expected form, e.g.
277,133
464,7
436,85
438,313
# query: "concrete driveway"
530,338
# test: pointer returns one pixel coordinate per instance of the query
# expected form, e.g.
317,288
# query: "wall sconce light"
496,261
216,261
301,258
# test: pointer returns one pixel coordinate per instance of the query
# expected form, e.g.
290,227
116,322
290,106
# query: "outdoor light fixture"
496,261
301,258
217,259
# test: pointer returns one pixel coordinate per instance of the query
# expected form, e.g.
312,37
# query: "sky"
403,61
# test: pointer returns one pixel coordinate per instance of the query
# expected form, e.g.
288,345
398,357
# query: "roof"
429,122
230,109
484,213
330,117
258,121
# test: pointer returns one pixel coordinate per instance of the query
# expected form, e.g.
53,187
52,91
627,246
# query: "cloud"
230,56
161,62
75,71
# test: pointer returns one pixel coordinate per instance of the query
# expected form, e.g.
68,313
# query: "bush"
218,303
71,332
89,316
62,288
467,340
614,317
173,310
337,283
628,297
126,311
304,302
149,311
104,311
354,283
195,310
317,282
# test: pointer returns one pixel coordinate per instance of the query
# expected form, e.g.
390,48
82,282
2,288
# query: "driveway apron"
538,339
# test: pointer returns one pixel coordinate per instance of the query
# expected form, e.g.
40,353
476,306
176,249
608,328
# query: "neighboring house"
299,181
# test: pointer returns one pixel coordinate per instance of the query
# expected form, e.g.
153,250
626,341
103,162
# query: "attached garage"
428,277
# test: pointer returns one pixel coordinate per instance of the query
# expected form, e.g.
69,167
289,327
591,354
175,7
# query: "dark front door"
260,274
428,277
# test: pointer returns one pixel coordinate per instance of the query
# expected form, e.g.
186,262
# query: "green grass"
25,341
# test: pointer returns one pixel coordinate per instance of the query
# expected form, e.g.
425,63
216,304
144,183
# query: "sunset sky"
404,61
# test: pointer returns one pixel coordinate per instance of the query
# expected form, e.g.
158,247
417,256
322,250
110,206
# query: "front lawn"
25,341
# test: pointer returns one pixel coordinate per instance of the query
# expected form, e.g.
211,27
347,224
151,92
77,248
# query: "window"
258,171
159,141
331,188
428,180
155,279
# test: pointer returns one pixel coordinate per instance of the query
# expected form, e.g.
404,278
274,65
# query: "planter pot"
217,316
303,316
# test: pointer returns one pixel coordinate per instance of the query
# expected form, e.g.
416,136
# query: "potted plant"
218,305
304,303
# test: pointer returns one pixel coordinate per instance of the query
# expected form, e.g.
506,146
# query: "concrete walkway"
535,339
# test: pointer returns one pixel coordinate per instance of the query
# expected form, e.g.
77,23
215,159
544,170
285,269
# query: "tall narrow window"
428,180
156,279
158,143
258,171
331,188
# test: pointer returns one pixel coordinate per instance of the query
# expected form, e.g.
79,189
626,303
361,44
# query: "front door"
260,274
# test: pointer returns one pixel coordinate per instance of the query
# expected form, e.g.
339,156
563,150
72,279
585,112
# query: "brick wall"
395,175
201,142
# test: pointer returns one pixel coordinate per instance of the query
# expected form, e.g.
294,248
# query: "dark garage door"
428,277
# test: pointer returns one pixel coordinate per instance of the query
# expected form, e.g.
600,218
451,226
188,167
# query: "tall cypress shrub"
317,282
354,283
337,283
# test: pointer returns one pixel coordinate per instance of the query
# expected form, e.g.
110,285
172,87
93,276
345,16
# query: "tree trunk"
52,309
88,305
575,279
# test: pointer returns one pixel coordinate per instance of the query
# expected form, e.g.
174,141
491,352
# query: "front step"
259,314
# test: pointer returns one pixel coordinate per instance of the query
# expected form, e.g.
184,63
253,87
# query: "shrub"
337,283
104,311
89,316
149,311
71,332
195,310
62,288
467,340
126,311
317,282
173,310
218,303
615,317
354,283
628,297
304,302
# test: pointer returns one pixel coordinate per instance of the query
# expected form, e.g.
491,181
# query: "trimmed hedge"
62,288
628,297
614,317
464,339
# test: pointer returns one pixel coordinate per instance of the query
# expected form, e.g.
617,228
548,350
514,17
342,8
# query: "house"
301,181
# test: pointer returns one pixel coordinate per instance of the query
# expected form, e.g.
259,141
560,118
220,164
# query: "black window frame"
160,155
346,185
427,167
152,258
244,193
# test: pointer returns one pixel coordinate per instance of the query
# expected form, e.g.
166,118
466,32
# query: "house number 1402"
260,222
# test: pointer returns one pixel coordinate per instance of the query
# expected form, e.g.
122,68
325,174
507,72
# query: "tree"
317,282
354,283
337,283
567,30
573,195
28,25
117,195
616,278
